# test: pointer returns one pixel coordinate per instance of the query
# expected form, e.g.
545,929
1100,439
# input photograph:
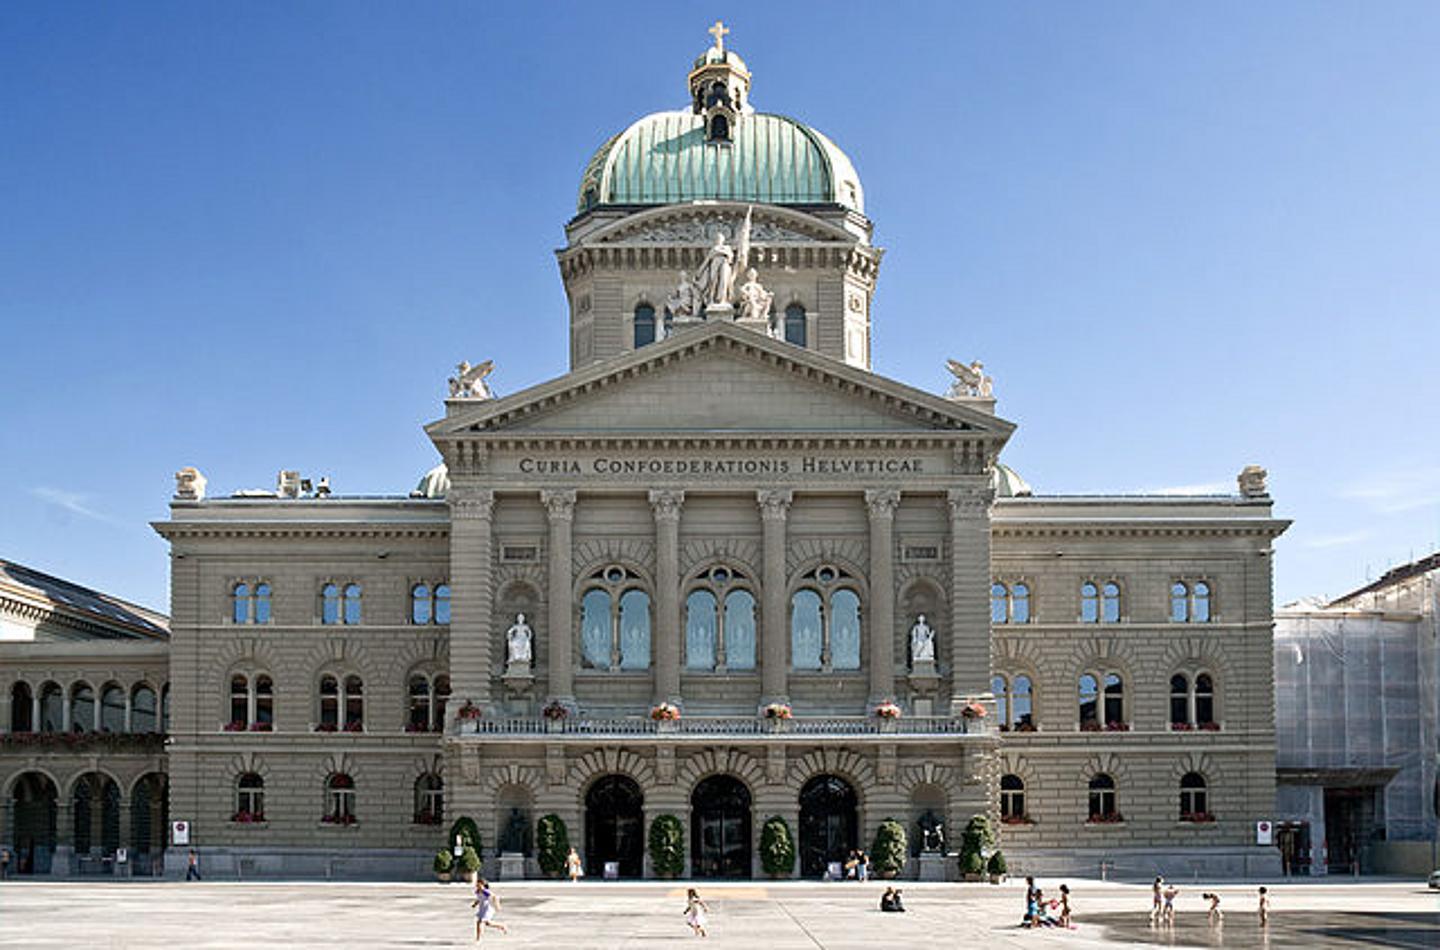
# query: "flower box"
973,711
234,725
243,817
887,710
427,818
343,820
468,712
325,727
1209,727
1017,820
262,727
1181,727
555,712
1089,725
1112,818
1117,727
354,726
1197,817
665,712
778,711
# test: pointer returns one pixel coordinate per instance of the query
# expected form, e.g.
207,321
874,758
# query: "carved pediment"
698,226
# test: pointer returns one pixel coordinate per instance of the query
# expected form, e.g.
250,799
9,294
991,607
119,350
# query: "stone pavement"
783,916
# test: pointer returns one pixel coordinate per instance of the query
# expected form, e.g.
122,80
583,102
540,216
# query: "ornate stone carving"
922,642
882,502
559,503
470,763
470,506
1252,482
775,764
469,381
715,280
665,764
774,502
518,643
190,484
970,381
885,765
666,503
701,228
755,300
555,764
680,305
970,502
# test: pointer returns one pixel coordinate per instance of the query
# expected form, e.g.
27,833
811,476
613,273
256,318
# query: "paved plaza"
786,916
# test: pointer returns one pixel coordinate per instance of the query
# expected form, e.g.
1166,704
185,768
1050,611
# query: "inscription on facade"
805,465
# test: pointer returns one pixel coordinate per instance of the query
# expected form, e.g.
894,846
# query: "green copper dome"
773,159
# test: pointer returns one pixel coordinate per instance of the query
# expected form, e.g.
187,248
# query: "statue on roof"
970,381
679,305
469,381
755,300
715,280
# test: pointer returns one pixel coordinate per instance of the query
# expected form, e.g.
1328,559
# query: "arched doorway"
829,823
614,827
720,828
149,819
33,805
96,809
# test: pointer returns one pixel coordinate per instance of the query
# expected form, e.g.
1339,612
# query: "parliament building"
719,570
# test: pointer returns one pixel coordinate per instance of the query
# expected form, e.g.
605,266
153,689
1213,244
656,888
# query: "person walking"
1168,914
4,864
1065,907
487,908
1156,901
1215,915
695,910
862,866
192,869
572,866
1264,907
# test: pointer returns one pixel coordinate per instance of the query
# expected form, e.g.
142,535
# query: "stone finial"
469,381
1252,482
190,484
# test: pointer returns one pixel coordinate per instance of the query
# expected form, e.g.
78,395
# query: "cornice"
117,630
1134,529
172,530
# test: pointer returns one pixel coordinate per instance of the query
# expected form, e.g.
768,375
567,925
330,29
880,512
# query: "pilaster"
560,511
882,503
774,509
666,505
471,572
970,591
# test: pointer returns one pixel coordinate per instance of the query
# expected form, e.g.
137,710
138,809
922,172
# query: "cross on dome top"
718,31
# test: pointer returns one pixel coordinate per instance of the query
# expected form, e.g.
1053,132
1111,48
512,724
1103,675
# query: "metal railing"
576,724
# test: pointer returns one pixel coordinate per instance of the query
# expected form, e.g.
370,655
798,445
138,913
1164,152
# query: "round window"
825,575
614,575
720,575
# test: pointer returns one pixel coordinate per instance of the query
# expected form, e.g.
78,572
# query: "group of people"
1162,905
1037,908
857,866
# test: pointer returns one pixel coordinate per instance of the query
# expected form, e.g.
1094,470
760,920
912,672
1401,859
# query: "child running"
1168,915
487,906
695,913
1264,907
1065,907
1216,915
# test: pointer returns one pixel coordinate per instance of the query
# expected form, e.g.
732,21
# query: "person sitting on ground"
890,901
1038,917
1030,892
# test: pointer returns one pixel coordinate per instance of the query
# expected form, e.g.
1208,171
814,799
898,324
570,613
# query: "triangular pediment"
714,380
698,224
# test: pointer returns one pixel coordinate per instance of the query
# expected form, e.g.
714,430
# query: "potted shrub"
666,716
552,844
443,863
777,848
997,867
887,856
974,840
777,716
465,833
468,716
972,865
470,863
554,714
667,846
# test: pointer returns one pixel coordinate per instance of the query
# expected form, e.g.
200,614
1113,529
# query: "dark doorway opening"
720,828
614,820
1349,826
34,808
829,823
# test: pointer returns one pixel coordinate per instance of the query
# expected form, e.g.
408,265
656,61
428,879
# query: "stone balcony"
713,728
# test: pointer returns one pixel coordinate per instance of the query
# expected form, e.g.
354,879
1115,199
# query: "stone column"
471,570
774,635
666,504
970,591
882,503
560,509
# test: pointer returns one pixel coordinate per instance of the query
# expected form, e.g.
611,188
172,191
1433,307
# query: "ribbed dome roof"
434,483
1008,483
665,159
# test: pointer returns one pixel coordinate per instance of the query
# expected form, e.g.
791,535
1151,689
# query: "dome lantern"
719,89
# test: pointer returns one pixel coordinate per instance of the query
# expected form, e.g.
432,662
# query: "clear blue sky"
1183,237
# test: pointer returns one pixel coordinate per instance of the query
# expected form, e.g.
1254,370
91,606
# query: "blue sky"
1183,238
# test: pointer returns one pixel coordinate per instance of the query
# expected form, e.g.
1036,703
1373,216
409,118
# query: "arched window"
429,799
250,603
1200,613
264,704
1190,603
719,622
1103,805
1012,799
719,129
142,710
339,800
1089,702
22,708
352,603
1114,700
421,606
441,696
1089,603
1009,603
1110,603
262,603
82,708
442,603
1179,602
1014,703
1179,701
112,708
795,324
239,702
330,604
354,704
615,622
1001,688
419,718
249,798
644,325
165,708
52,708
329,704
1204,700
1102,701
1194,802
240,603
825,619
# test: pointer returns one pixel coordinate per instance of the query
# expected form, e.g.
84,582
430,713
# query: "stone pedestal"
759,324
720,311
518,680
924,682
512,866
932,866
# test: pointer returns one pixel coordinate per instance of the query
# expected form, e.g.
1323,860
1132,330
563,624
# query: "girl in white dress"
695,913
487,906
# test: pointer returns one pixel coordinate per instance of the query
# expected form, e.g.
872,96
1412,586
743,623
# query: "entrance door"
34,809
720,828
829,824
613,827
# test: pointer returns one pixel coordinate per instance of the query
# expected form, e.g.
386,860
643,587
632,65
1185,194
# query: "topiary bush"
975,839
468,833
887,856
777,847
971,864
998,866
552,844
443,861
470,861
667,846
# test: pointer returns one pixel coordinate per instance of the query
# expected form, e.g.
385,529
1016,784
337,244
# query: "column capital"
559,503
882,502
472,506
666,503
970,502
774,502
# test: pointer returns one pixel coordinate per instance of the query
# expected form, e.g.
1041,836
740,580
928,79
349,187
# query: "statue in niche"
932,832
516,837
469,381
680,303
755,300
970,381
518,643
922,642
